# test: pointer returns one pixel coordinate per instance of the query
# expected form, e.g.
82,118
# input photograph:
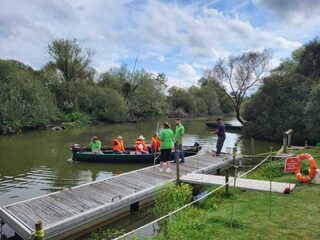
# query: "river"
39,162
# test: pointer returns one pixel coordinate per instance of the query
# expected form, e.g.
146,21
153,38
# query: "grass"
293,216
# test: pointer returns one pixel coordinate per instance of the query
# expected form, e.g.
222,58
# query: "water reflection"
37,163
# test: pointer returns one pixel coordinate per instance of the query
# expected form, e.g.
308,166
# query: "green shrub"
171,198
106,234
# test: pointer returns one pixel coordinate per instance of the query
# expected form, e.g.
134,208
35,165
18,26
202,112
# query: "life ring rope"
312,170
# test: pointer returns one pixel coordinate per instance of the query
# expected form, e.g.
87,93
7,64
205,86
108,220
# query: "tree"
238,75
71,65
25,101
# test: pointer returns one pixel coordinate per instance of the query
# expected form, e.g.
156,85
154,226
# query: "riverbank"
292,216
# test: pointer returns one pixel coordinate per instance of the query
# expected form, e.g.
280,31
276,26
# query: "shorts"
165,155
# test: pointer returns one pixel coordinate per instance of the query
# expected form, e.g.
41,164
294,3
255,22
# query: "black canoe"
228,126
108,156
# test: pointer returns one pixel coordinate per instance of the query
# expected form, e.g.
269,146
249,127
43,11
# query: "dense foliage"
25,101
68,89
289,98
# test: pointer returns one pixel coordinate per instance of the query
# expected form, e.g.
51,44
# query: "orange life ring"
312,170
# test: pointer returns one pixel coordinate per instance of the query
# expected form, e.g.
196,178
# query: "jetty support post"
286,141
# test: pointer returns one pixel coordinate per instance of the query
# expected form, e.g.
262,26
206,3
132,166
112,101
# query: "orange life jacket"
138,145
117,145
155,144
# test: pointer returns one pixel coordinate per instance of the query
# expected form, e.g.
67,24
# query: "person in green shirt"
95,145
166,138
179,134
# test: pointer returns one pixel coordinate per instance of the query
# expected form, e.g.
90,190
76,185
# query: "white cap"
141,137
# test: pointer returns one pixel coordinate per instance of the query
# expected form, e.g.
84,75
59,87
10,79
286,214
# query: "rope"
189,204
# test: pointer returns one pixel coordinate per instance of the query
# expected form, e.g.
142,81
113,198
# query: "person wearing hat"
166,137
117,145
179,134
141,146
95,145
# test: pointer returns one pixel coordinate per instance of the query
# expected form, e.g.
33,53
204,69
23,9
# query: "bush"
25,101
171,198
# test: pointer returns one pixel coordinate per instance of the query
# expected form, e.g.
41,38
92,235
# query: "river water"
39,162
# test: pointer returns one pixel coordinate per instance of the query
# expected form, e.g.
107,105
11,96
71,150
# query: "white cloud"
296,12
161,59
184,76
121,30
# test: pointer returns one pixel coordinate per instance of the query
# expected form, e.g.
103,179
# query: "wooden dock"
80,208
242,183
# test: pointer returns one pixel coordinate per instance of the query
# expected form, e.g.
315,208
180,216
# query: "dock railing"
286,142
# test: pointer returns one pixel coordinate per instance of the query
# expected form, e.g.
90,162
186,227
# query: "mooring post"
252,151
177,164
39,235
227,184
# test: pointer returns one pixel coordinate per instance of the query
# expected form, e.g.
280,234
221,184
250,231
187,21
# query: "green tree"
142,91
238,75
278,106
71,66
25,101
104,103
313,114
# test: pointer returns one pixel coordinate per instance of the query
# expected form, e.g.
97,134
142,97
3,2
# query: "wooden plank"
243,183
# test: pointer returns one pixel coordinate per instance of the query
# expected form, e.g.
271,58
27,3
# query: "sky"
180,38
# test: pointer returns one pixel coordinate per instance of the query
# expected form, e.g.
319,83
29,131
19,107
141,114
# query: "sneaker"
160,170
181,161
168,170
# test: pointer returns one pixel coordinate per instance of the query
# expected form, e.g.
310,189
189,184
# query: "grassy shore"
293,216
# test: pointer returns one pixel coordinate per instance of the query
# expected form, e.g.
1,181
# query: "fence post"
271,148
177,164
252,151
234,151
227,184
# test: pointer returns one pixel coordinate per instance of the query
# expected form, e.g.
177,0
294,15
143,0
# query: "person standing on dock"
221,133
179,134
166,138
95,145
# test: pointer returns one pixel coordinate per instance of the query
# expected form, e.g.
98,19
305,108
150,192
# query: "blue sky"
179,38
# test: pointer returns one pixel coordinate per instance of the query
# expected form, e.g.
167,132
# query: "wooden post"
252,151
271,178
234,151
227,184
177,164
39,234
289,139
284,142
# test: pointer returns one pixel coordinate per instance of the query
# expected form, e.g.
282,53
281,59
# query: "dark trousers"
181,153
220,144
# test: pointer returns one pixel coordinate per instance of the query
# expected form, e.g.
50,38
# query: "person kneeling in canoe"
95,145
141,147
117,145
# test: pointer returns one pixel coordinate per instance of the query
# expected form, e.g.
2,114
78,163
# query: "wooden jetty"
243,183
78,209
